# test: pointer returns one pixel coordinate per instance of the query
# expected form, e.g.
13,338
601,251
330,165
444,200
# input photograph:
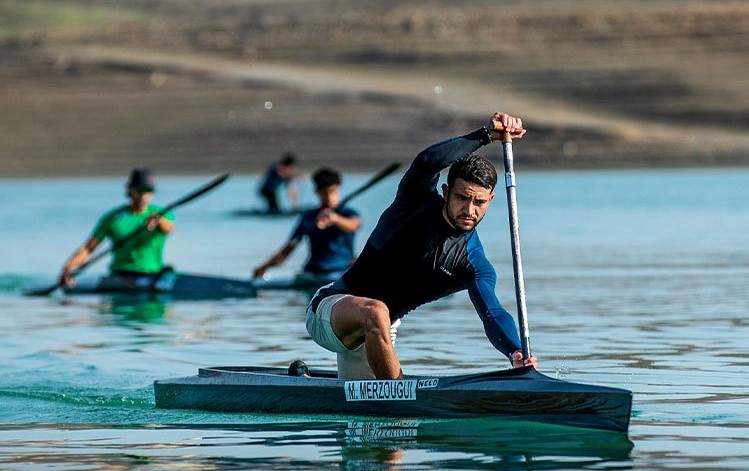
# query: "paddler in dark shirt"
281,173
424,247
329,230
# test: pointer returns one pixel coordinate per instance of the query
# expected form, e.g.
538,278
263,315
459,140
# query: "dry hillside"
188,86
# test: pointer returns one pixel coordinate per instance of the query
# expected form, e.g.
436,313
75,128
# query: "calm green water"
636,279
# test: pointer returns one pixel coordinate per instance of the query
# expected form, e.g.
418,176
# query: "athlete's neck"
136,208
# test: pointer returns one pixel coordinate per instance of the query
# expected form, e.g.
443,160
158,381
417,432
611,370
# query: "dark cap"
141,179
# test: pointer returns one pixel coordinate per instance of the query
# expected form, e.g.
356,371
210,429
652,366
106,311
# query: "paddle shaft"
517,263
371,182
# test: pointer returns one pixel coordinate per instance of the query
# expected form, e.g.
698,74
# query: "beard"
458,222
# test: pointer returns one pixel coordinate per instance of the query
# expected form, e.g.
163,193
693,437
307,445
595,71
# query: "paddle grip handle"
498,127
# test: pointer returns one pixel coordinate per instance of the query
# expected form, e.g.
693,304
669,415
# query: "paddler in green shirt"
142,255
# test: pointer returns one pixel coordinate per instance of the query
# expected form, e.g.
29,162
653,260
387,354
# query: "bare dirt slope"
192,87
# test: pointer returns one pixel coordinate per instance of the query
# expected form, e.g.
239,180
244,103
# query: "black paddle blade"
42,291
200,191
371,182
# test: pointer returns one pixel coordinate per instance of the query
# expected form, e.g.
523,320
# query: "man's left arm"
499,324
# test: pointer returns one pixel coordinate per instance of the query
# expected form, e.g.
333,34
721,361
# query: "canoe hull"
264,213
517,394
179,286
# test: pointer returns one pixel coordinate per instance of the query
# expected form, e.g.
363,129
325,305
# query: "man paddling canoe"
278,174
329,229
424,247
140,256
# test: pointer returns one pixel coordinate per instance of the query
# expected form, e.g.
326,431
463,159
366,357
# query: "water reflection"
451,443
352,444
128,308
486,443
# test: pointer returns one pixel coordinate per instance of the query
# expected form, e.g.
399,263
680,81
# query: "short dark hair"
298,368
475,169
325,177
289,158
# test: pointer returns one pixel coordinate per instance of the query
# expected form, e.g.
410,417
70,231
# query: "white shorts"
319,326
352,364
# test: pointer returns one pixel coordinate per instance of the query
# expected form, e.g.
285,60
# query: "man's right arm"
83,253
283,253
79,257
276,259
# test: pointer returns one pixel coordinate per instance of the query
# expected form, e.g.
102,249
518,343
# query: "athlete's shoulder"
306,223
475,253
473,242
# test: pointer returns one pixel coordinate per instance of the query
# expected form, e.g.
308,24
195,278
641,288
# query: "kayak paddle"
121,242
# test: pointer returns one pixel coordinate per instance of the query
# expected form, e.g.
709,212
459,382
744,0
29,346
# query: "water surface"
635,279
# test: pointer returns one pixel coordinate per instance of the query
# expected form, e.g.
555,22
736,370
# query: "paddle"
121,242
371,182
517,264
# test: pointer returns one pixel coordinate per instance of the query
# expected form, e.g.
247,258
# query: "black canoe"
174,285
515,394
190,286
264,213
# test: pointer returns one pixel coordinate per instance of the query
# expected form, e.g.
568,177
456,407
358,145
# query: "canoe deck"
300,282
517,394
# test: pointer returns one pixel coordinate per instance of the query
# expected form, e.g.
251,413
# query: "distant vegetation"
31,16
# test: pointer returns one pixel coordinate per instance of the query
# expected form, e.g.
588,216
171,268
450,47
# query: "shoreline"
229,110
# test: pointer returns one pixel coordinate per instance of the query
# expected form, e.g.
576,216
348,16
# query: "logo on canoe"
427,383
386,390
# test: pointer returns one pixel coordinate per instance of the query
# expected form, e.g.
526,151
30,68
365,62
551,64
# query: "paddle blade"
371,182
200,191
42,291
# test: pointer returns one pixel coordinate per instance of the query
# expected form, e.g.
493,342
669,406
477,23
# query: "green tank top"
143,253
